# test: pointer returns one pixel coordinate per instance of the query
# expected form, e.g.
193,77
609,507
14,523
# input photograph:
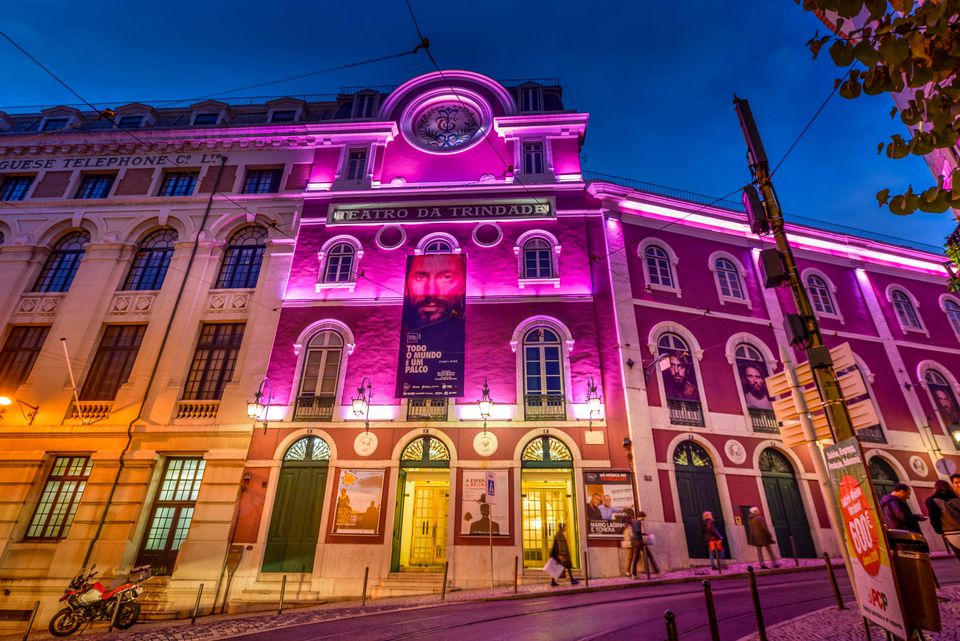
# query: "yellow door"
428,545
542,508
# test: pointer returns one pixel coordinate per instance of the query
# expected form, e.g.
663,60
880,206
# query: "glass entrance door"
428,545
544,505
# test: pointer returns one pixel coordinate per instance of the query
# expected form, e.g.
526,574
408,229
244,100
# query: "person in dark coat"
897,512
639,547
758,534
714,540
943,506
560,552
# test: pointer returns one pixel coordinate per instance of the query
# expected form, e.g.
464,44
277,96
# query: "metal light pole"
772,221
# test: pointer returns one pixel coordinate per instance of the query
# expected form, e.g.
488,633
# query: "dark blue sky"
656,78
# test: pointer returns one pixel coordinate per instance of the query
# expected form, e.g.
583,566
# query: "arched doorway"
785,505
697,491
423,497
547,499
883,476
295,523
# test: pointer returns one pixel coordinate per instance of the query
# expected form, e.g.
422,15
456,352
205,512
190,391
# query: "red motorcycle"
88,600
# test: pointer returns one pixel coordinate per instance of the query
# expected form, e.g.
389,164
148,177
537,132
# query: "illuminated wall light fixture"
361,402
28,411
258,410
485,403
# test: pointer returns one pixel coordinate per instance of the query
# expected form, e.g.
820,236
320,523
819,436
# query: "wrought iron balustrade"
685,413
544,407
764,421
426,409
314,408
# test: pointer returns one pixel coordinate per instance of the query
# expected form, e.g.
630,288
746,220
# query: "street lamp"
485,403
32,414
258,410
593,398
361,402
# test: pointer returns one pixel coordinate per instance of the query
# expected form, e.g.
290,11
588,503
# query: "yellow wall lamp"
29,411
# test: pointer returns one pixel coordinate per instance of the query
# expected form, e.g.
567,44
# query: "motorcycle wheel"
129,613
64,623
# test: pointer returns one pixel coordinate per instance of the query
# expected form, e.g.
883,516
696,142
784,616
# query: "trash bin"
918,588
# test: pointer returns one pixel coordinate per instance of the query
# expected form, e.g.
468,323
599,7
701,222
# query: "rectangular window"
206,119
19,353
60,498
287,115
262,181
532,158
363,106
130,122
114,360
178,183
172,513
52,124
15,187
214,361
357,164
95,185
530,99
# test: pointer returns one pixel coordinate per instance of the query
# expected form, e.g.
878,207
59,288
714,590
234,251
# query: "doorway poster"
359,493
480,508
608,494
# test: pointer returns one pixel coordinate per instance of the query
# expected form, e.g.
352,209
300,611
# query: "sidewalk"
831,624
211,628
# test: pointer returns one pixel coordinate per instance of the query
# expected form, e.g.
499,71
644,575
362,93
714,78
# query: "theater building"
403,333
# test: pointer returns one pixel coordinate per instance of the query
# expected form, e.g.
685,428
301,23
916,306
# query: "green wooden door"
398,522
295,523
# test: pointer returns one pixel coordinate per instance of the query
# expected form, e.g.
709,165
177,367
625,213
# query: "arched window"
728,279
546,451
659,268
679,380
339,267
62,263
425,451
309,448
150,263
242,258
438,246
906,313
319,377
944,400
773,461
543,375
882,475
952,310
690,454
752,370
820,295
537,258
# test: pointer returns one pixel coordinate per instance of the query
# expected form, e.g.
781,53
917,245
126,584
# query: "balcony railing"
91,410
426,409
197,409
685,413
314,408
544,407
764,421
873,434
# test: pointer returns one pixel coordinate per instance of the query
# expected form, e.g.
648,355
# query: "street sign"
865,538
491,484
862,412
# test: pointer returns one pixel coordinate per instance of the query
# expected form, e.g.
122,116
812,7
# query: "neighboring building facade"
457,341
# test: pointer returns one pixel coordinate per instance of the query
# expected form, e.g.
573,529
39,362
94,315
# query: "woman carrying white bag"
559,561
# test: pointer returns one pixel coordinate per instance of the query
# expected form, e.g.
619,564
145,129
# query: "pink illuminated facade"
460,341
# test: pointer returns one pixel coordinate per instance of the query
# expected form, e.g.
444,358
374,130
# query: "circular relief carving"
735,451
365,444
946,467
391,237
450,124
487,234
485,444
919,466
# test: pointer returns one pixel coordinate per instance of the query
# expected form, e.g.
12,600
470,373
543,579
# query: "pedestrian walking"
897,512
758,535
647,540
560,552
943,506
714,540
